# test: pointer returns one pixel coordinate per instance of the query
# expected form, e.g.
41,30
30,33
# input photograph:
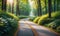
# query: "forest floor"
28,28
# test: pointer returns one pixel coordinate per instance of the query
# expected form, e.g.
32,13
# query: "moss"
42,18
36,19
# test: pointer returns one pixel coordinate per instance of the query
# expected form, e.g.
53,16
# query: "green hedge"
8,24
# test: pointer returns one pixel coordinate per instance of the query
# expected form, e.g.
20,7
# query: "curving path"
28,28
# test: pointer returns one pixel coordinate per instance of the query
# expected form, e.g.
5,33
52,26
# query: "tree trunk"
17,8
55,5
58,5
45,6
39,8
50,8
4,5
13,7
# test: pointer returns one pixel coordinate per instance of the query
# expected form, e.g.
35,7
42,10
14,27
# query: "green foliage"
53,22
58,29
0,4
56,15
36,19
22,17
24,7
9,15
55,25
43,19
8,24
32,18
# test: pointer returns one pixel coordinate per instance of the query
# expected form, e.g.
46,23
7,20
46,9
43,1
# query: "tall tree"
58,5
17,8
55,5
46,6
50,8
4,5
13,7
39,8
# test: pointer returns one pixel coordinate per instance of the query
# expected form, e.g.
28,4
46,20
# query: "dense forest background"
23,7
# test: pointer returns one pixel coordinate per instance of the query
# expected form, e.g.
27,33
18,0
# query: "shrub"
58,29
45,20
42,19
32,18
22,17
8,24
9,15
54,24
56,15
36,19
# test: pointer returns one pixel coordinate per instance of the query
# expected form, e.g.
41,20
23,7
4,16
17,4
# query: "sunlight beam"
31,5
10,1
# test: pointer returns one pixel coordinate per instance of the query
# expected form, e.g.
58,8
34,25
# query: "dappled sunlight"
31,14
10,4
10,1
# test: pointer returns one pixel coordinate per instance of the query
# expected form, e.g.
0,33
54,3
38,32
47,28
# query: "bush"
56,15
43,19
58,29
9,15
36,19
8,24
22,17
32,18
54,24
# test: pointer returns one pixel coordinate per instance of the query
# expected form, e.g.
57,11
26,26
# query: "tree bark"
4,5
45,6
13,7
55,5
17,8
50,8
58,5
39,8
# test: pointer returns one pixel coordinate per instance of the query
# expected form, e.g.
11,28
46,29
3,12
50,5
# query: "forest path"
28,28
